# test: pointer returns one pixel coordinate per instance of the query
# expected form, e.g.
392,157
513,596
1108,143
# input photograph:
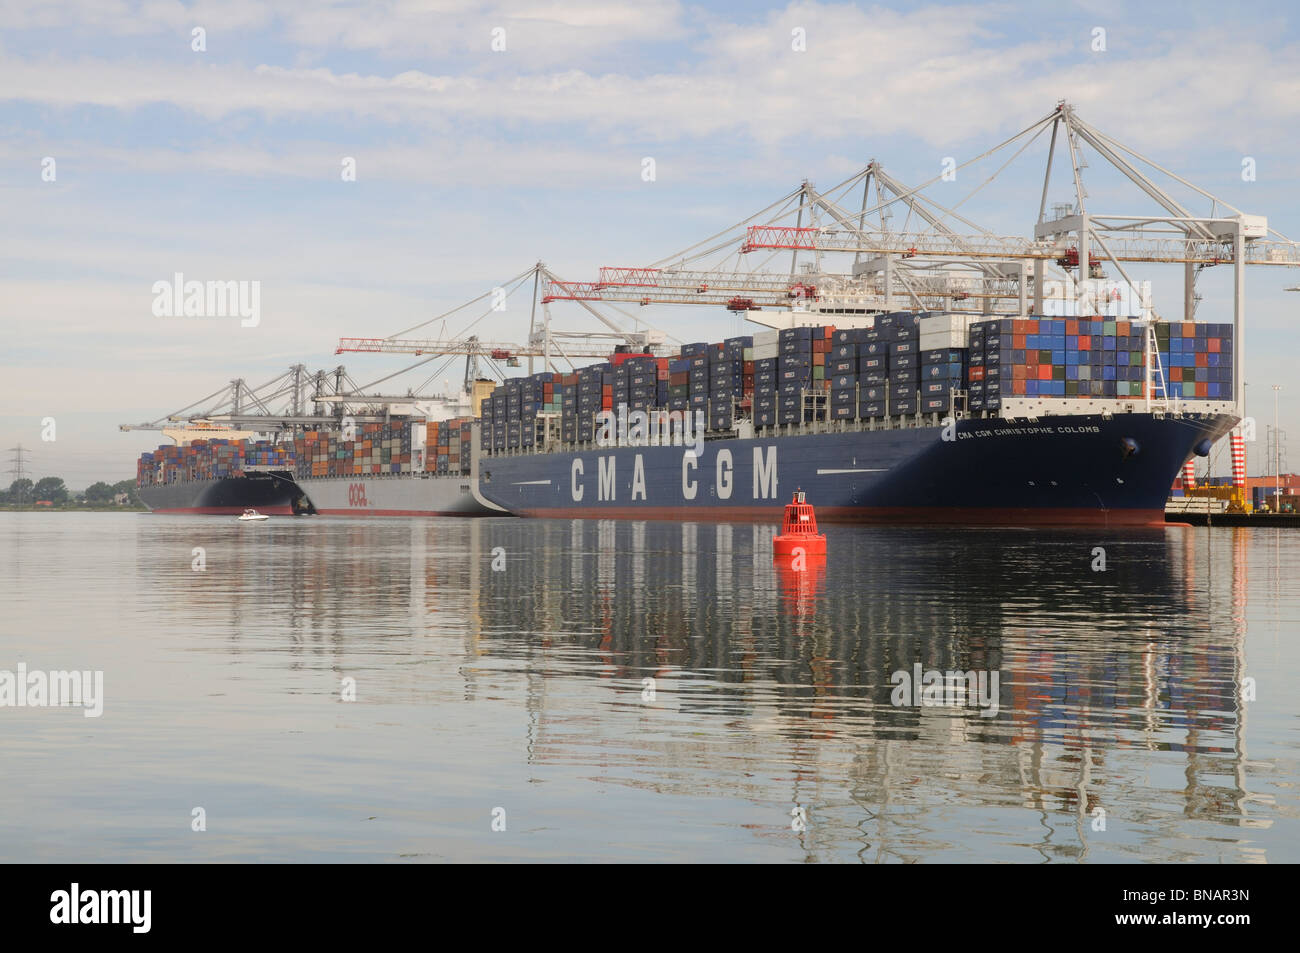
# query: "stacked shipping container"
1095,358
209,460
1197,359
447,445
905,363
376,448
801,376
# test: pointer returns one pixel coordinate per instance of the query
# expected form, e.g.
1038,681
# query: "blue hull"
1065,470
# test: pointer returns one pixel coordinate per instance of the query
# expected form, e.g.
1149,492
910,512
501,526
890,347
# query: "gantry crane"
544,342
932,267
280,406
919,266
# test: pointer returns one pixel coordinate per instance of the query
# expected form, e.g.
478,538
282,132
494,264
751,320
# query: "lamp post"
1277,454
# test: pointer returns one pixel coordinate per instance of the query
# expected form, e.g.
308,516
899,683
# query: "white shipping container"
763,338
934,340
945,322
765,351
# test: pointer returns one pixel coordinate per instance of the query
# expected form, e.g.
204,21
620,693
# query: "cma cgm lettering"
719,477
1111,470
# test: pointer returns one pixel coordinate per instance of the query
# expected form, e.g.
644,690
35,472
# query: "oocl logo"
357,494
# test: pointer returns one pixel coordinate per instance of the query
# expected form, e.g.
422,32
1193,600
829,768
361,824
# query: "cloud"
938,74
535,34
471,164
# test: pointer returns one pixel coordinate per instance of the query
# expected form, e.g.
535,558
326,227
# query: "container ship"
1027,406
404,467
414,468
909,417
203,476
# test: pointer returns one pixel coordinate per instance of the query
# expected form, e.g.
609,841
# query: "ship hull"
1058,471
405,495
272,494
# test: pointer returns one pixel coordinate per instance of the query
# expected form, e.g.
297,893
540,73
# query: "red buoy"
799,530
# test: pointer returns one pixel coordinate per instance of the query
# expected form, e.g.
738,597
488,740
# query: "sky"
220,155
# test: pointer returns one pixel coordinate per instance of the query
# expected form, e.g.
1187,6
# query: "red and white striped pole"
1238,460
1189,476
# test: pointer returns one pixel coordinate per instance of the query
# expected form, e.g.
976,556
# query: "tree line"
24,492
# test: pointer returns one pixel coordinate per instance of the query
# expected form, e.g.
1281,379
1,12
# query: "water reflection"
1120,691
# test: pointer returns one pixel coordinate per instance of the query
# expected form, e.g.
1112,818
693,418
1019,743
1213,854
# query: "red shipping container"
1044,372
1202,389
977,373
1018,340
1019,372
1018,387
1212,346
1085,343
1072,327
1202,360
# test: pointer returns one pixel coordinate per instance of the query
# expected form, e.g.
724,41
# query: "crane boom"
1156,249
490,349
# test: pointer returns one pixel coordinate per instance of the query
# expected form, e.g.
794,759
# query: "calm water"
1124,730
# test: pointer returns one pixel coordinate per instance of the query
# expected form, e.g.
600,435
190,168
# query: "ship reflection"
1096,668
